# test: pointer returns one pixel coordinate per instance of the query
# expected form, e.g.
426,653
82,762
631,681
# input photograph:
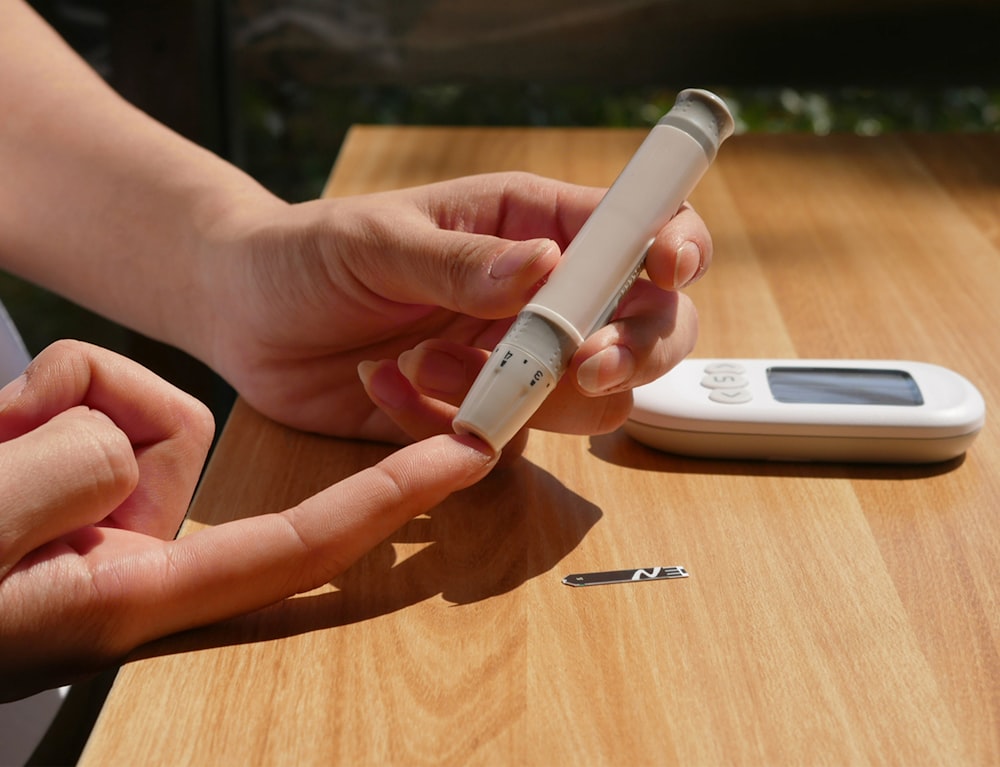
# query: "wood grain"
834,615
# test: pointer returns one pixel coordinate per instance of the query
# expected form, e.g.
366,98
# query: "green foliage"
288,134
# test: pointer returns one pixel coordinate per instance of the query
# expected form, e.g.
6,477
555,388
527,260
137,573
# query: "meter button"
731,396
724,381
724,367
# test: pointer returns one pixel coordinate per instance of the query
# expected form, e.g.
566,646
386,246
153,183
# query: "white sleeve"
14,355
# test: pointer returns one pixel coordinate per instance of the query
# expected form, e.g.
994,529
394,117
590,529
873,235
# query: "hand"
98,460
286,301
416,286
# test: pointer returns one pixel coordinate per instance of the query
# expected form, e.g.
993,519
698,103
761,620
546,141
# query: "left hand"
98,461
415,286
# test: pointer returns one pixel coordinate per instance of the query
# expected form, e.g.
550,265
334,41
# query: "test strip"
625,576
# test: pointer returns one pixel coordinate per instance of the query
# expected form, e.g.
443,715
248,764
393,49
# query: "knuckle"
195,420
110,459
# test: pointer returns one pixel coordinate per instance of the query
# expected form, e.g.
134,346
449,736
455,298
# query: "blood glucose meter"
884,411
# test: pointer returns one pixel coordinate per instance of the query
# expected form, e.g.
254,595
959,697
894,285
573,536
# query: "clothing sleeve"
14,357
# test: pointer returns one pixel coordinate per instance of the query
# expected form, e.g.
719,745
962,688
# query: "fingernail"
688,264
384,383
518,258
480,450
10,392
607,370
433,371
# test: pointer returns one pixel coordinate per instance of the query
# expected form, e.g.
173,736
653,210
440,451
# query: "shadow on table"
518,523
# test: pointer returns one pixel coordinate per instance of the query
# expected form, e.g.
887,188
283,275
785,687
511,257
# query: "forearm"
99,202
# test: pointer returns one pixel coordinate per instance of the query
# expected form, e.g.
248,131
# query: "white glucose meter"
881,411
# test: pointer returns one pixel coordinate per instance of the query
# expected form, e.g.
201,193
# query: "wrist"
224,224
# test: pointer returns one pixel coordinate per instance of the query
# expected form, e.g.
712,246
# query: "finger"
169,430
241,566
69,373
444,371
653,331
474,274
478,245
70,472
419,413
493,237
515,206
414,415
682,251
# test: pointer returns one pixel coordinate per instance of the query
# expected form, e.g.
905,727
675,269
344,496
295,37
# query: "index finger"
220,572
681,252
516,206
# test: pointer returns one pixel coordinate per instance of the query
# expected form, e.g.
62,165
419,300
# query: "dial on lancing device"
596,270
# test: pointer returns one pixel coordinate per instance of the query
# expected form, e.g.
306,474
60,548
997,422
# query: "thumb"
482,275
477,274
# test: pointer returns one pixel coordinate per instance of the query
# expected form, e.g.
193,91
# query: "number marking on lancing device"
625,576
536,377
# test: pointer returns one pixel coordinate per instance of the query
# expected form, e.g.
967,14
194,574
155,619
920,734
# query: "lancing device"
597,269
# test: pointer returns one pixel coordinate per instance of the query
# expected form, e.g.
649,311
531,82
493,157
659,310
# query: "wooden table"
835,614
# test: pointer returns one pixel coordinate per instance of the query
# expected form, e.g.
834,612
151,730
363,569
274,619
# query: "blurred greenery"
287,134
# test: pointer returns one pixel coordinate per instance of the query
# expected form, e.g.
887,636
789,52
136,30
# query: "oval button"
725,367
724,381
731,396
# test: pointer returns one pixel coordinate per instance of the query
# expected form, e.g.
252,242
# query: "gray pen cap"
704,116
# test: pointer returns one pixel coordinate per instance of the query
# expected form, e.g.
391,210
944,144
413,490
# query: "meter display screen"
843,386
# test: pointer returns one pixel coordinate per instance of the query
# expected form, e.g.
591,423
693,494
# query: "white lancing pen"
596,270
